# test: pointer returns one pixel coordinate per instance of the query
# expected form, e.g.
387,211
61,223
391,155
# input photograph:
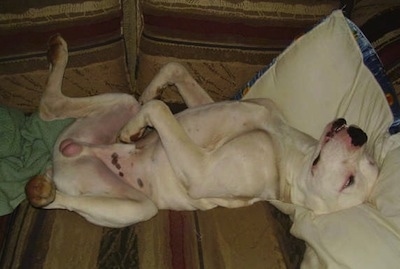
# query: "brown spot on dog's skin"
114,158
121,174
114,161
140,182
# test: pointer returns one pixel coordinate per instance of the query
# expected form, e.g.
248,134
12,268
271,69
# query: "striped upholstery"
255,236
224,43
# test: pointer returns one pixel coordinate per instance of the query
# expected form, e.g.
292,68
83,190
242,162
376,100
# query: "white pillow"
386,195
322,76
358,237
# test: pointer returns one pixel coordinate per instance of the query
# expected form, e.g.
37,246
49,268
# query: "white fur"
229,154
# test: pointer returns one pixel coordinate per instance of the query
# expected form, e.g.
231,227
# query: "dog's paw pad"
127,136
57,50
40,191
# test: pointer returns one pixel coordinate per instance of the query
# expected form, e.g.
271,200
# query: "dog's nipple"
69,148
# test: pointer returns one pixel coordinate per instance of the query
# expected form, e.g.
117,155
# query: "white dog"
229,154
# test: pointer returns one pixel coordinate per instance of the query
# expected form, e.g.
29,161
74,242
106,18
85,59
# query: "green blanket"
25,151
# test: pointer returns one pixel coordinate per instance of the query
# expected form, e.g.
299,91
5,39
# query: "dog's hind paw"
40,191
57,52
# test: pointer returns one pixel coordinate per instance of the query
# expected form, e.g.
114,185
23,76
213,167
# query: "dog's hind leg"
93,185
55,105
90,185
176,74
107,211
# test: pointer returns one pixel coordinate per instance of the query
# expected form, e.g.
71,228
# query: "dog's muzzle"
358,136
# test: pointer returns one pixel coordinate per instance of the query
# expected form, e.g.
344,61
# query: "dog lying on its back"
229,154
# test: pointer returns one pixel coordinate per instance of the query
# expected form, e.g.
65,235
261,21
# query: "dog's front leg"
173,137
157,114
176,74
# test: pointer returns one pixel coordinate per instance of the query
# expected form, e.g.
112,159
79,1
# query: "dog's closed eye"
316,160
349,182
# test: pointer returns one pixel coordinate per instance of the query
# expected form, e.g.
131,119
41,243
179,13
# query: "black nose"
358,137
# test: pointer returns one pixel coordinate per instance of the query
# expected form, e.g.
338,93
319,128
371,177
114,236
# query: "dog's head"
341,173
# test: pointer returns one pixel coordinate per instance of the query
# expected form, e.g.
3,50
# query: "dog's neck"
295,156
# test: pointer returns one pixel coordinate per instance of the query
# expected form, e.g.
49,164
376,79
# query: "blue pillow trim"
373,63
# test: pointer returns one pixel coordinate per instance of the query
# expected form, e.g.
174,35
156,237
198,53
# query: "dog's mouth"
352,136
357,137
336,127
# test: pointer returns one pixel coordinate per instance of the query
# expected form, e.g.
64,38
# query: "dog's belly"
158,180
249,174
146,167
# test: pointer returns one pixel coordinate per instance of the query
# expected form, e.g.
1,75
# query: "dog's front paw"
40,191
135,128
57,52
127,135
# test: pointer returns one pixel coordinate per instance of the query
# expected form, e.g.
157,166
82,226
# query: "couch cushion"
224,41
24,27
93,32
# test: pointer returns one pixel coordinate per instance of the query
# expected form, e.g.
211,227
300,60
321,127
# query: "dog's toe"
40,191
58,50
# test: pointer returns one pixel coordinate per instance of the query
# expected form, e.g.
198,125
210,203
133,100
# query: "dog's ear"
40,191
